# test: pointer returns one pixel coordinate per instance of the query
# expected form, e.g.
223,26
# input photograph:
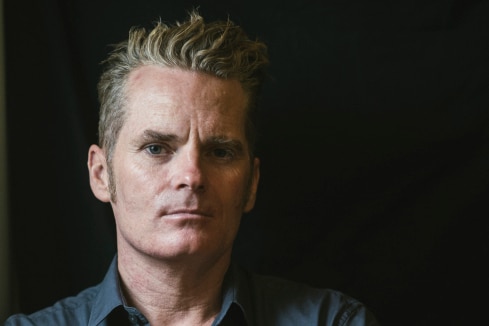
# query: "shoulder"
293,303
68,311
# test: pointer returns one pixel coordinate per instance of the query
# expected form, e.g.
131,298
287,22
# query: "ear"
255,178
98,173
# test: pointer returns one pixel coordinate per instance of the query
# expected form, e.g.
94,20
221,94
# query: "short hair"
219,48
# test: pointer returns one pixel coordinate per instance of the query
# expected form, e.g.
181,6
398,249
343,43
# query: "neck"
176,292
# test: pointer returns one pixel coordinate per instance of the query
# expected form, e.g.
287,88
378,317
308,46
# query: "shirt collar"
236,297
108,297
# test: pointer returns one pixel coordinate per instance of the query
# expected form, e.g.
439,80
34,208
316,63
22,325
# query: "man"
177,165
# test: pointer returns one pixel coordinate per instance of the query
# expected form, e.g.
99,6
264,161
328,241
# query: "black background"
374,148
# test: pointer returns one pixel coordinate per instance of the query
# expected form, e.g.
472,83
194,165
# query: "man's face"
181,167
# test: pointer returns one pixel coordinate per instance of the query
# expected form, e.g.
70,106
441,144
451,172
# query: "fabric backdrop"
374,148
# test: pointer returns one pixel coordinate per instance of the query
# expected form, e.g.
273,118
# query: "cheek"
237,190
134,186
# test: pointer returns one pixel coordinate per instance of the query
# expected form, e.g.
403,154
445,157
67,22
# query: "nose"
188,171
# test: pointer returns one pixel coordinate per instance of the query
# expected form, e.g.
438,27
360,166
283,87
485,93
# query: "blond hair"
219,48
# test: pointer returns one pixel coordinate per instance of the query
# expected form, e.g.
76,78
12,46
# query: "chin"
179,248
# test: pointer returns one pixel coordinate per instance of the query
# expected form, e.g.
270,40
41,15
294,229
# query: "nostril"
191,180
197,188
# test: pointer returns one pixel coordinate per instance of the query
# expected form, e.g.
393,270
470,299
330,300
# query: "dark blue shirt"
248,299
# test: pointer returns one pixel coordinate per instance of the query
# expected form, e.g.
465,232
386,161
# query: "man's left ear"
255,178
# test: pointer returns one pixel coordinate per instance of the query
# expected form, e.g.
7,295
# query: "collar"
109,296
236,305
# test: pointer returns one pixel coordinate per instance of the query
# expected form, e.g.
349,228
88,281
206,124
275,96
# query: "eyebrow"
221,140
158,136
155,136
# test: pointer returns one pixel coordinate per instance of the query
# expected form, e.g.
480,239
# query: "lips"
187,213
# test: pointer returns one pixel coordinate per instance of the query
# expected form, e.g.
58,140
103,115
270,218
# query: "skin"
183,179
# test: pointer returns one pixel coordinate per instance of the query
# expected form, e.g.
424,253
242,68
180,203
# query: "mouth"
187,214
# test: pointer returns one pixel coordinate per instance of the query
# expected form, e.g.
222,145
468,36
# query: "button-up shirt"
248,299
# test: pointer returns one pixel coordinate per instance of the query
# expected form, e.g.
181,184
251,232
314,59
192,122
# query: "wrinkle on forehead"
182,101
185,81
182,83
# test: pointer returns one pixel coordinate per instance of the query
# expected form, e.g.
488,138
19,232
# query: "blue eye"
154,149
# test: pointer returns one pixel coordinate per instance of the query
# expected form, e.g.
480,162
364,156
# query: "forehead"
169,97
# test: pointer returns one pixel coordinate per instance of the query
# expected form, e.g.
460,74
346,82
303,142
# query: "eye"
223,153
154,149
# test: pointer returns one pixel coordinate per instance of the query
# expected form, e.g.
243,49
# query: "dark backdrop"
374,148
